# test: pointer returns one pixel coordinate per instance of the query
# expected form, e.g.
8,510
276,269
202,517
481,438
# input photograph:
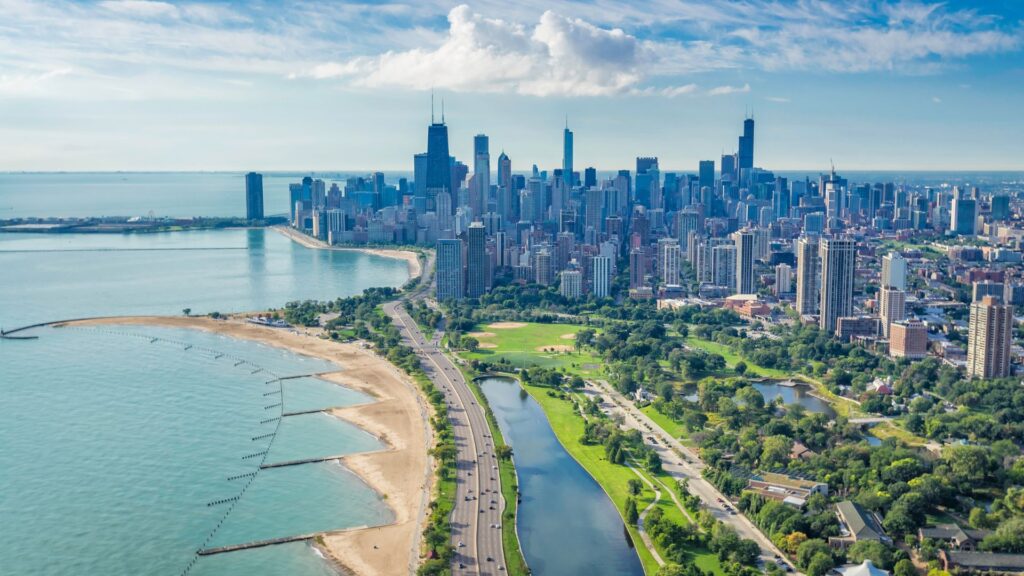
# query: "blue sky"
147,85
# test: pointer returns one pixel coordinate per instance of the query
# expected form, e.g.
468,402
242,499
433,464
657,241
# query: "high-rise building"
808,275
602,271
571,285
669,255
439,163
450,284
838,263
744,240
476,260
723,265
908,339
637,268
989,338
567,157
706,174
746,151
254,196
892,303
964,214
894,271
783,279
481,174
543,268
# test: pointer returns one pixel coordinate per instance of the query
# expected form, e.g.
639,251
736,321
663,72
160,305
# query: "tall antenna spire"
431,106
566,120
442,110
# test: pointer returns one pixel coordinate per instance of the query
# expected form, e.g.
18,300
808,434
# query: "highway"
681,462
476,518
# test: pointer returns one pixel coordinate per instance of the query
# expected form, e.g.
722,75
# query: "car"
489,559
462,544
501,568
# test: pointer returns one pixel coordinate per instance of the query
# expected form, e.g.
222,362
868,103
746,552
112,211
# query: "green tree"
904,568
820,565
878,553
634,486
808,549
186,311
741,367
632,516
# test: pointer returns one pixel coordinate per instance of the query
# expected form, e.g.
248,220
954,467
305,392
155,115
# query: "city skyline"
871,86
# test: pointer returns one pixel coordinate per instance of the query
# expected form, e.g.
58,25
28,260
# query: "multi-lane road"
476,518
681,462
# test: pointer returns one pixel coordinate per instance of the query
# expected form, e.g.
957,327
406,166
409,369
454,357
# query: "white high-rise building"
669,255
602,271
783,279
723,265
744,240
571,285
894,271
808,275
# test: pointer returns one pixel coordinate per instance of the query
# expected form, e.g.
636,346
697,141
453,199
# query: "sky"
152,85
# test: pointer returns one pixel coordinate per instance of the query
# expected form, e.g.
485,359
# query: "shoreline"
411,258
402,473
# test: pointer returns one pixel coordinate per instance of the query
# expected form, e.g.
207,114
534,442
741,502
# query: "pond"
792,393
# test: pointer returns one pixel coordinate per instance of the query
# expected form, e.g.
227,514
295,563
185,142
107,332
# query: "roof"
952,532
866,568
1011,562
861,524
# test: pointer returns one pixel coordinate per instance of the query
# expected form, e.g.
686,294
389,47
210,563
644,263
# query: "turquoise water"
566,523
113,444
55,277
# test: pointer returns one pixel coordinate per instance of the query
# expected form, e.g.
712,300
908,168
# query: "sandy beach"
410,257
402,474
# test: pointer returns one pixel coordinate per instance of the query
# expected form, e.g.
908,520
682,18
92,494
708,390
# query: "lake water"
114,440
799,394
566,523
45,277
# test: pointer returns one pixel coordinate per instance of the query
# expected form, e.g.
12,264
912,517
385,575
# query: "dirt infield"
555,348
482,334
507,325
487,345
569,336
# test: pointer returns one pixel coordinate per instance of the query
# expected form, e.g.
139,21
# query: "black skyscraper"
439,169
254,196
746,151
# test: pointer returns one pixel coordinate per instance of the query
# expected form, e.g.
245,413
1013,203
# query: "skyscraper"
476,260
571,285
602,270
746,151
989,338
838,262
783,279
964,213
669,255
723,265
254,196
450,282
439,164
567,156
808,275
706,174
744,240
481,175
894,271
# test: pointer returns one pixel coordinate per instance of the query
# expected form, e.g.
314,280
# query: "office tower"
476,260
254,196
648,182
445,211
669,255
589,177
728,166
602,271
894,271
981,289
892,304
964,213
419,182
571,285
814,223
744,240
808,275
481,174
989,338
908,339
688,220
595,208
723,266
543,268
567,157
838,263
449,269
746,152
439,163
706,174
783,279
637,268
1000,207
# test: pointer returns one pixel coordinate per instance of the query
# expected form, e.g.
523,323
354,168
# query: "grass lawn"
731,358
675,429
885,430
534,344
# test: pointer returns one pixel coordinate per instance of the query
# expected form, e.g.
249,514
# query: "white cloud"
559,55
724,90
779,99
141,8
936,100
674,91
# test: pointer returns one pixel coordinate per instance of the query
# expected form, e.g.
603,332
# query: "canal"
566,523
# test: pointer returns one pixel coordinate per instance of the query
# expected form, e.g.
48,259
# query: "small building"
879,386
800,450
954,536
857,524
956,561
785,488
865,568
747,305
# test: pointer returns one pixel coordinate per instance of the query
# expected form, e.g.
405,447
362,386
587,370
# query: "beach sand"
402,474
410,257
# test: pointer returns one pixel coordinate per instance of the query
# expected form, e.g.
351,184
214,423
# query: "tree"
503,452
186,311
470,344
1008,537
808,549
741,367
634,486
794,540
820,564
877,552
775,450
979,519
904,568
632,516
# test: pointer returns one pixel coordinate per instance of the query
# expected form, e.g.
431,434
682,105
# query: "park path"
643,515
